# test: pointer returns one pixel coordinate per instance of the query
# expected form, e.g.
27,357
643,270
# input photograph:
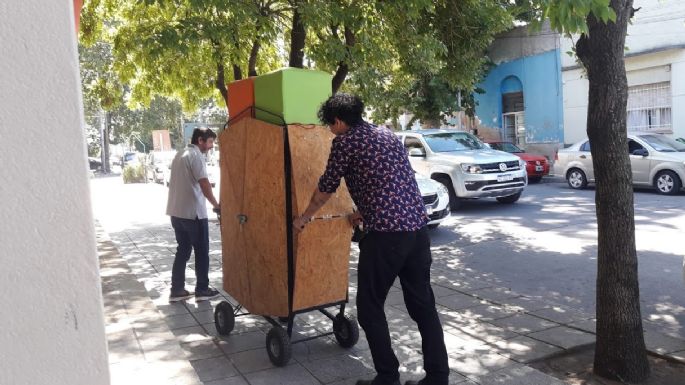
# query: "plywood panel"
322,250
232,165
265,230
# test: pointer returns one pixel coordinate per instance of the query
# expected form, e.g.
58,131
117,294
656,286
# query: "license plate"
538,168
505,177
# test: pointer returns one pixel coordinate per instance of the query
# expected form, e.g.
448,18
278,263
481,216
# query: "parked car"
436,198
681,140
130,159
537,165
656,160
213,175
158,165
465,166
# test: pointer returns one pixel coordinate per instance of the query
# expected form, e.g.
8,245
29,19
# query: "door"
584,157
514,129
418,163
638,163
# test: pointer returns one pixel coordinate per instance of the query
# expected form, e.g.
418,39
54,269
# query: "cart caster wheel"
278,346
346,330
224,318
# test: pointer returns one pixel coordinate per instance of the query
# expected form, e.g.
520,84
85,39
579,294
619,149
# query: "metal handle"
242,218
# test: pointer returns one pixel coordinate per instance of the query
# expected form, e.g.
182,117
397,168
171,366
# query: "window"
453,141
410,143
633,145
649,108
585,146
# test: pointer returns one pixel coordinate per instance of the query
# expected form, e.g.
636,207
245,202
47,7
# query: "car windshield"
453,141
663,143
506,146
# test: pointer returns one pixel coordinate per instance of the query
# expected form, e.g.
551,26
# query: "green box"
293,94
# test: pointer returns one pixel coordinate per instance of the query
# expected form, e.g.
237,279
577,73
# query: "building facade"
655,68
522,98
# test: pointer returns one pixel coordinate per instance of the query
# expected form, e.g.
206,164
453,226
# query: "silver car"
436,198
657,161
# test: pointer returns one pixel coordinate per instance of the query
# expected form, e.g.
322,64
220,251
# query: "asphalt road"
544,245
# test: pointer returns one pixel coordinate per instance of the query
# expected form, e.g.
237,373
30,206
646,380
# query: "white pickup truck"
467,167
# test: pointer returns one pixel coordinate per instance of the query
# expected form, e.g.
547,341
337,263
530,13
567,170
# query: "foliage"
569,17
133,174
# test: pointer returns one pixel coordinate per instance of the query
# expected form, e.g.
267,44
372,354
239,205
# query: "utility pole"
103,141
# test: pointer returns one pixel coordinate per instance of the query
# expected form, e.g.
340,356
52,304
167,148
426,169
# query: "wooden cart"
268,174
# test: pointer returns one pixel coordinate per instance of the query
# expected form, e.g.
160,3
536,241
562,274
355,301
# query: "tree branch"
297,38
343,66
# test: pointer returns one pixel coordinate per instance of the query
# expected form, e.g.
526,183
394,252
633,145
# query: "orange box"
240,98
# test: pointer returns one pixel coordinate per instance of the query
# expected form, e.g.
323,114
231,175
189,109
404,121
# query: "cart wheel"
224,319
346,330
278,346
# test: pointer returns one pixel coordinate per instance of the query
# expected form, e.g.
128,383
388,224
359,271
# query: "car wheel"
509,199
534,179
667,183
447,182
576,179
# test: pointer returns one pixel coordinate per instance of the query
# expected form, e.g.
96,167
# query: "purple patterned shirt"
378,175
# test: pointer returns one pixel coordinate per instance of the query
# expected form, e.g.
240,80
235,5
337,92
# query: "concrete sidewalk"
491,333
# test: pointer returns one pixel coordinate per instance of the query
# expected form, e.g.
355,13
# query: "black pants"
384,256
191,235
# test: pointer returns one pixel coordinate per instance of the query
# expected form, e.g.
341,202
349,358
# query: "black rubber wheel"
346,330
576,179
667,183
447,182
224,318
509,199
278,346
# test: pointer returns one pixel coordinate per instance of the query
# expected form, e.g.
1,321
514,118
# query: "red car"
537,166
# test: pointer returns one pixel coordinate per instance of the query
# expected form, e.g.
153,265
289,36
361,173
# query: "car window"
585,146
633,145
410,142
453,141
663,143
506,146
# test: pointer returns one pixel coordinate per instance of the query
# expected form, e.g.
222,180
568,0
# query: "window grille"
649,108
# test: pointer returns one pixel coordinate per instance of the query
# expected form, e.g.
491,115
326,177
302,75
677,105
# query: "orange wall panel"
240,97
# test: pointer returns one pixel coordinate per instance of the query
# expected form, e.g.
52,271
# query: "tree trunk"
297,39
620,353
252,63
108,128
221,82
237,73
343,67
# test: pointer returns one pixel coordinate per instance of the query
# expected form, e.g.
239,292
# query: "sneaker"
203,295
180,296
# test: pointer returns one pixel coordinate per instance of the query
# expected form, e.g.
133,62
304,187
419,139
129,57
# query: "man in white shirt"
188,189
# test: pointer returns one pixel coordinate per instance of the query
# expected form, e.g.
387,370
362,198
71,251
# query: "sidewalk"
491,333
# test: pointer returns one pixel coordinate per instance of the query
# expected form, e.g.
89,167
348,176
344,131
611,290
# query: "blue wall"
540,77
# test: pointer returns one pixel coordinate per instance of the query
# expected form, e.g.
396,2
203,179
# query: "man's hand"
355,218
299,223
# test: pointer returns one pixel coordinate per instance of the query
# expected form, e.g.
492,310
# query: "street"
542,246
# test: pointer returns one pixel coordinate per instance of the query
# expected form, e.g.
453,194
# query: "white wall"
52,326
644,69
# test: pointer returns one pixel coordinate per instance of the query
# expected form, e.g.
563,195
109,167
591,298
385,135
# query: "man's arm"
319,199
207,192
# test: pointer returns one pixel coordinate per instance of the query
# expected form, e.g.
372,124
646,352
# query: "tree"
620,351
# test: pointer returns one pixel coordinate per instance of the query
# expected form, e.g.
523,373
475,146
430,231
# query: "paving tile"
524,349
474,365
523,323
180,321
294,374
561,315
564,337
679,356
458,301
318,349
589,325
527,304
204,317
191,334
519,375
341,367
199,350
235,343
214,368
495,294
251,360
662,343
487,312
174,308
237,380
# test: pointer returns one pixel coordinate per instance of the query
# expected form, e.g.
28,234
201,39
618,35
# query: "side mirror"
417,152
640,152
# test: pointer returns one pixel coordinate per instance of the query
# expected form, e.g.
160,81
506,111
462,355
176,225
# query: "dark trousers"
384,256
191,234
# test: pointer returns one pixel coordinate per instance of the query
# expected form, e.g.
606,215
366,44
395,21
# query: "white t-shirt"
185,195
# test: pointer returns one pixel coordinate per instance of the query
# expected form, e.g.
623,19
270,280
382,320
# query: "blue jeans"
191,234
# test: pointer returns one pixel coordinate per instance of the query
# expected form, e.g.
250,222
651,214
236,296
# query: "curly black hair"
346,107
